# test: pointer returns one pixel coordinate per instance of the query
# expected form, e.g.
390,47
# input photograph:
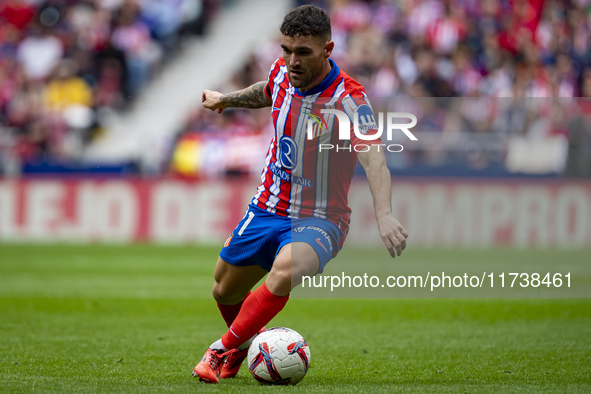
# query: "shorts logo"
320,243
227,243
288,151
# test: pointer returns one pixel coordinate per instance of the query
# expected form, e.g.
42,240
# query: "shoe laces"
215,360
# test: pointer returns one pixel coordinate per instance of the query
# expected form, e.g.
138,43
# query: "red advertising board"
436,212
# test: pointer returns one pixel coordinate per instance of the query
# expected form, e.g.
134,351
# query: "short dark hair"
306,20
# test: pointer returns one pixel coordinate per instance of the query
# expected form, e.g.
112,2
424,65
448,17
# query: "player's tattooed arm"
252,97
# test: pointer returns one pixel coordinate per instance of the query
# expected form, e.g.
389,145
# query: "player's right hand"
211,100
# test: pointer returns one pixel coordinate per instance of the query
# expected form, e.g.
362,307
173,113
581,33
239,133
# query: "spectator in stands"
66,88
26,104
132,36
39,52
465,79
113,48
488,48
17,13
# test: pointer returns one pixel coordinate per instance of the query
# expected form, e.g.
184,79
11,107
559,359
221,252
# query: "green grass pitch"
138,318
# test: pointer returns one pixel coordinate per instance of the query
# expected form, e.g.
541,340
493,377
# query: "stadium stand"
64,64
519,61
95,56
147,132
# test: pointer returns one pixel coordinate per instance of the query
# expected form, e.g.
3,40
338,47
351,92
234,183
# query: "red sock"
258,310
229,312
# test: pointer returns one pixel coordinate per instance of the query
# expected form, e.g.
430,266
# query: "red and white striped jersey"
299,178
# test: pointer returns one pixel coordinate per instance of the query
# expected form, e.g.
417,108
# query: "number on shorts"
250,216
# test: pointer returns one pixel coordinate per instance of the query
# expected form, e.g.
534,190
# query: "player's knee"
282,265
225,295
287,266
279,279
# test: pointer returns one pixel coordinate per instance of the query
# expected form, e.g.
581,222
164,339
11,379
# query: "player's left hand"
393,235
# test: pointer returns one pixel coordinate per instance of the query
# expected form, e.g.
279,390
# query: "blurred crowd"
64,63
445,48
518,48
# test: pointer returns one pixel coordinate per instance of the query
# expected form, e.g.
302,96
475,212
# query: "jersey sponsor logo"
286,176
288,151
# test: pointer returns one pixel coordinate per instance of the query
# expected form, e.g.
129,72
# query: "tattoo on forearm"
251,97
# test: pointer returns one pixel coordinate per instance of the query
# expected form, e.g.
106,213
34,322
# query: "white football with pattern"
279,356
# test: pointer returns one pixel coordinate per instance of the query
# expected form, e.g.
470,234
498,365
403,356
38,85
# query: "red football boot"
209,368
234,360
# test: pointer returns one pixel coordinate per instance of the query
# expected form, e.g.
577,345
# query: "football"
279,356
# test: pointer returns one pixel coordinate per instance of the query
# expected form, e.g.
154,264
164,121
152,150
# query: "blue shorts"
260,235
